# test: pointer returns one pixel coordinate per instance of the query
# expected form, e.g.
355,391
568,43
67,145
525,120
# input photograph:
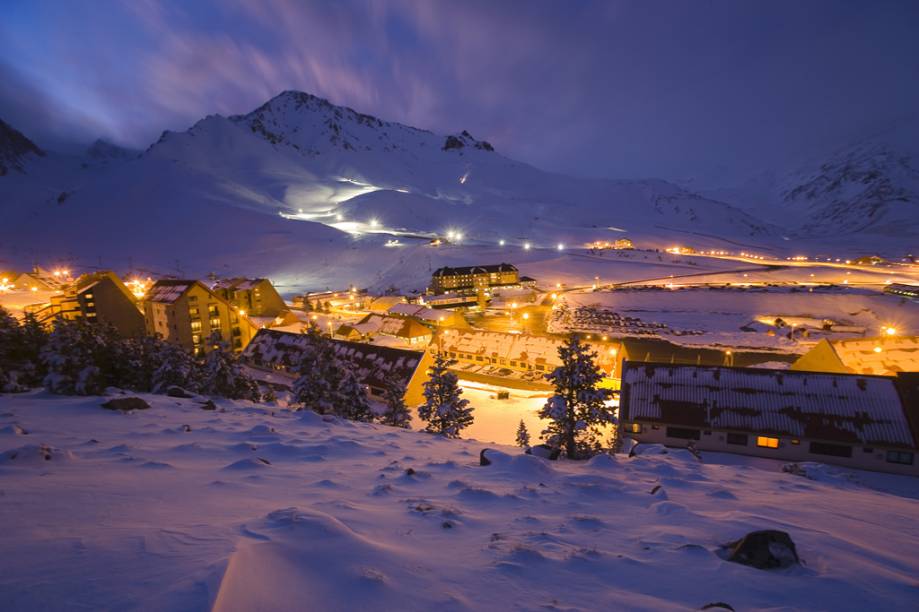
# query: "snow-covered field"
177,508
713,317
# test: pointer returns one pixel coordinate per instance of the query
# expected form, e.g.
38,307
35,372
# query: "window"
767,442
633,427
901,457
684,433
193,299
88,296
193,312
212,310
196,339
737,439
867,449
833,450
196,326
215,323
795,441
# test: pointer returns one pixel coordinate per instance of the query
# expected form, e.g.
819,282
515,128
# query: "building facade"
187,313
99,296
863,422
253,296
473,278
883,356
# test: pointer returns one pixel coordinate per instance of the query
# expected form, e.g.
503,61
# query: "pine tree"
223,376
523,436
175,368
445,412
396,413
351,401
577,411
319,372
80,357
20,349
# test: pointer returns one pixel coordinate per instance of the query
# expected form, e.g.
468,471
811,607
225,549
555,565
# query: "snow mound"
35,454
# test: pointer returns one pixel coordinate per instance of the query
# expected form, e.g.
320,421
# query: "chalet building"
903,290
470,279
401,330
253,296
883,356
322,300
273,357
188,313
429,316
864,422
99,296
383,303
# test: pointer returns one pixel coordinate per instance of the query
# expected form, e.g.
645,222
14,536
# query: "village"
855,396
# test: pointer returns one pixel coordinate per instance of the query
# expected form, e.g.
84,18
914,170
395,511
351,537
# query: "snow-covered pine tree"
445,412
175,368
223,376
577,411
319,372
20,347
351,401
80,357
523,436
32,340
396,413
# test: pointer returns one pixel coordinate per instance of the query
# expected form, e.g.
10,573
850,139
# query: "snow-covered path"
177,508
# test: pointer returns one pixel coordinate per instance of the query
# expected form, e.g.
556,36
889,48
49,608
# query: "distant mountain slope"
865,194
15,149
209,194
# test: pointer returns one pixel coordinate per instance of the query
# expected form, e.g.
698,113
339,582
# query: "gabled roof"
374,365
841,408
238,283
168,291
464,270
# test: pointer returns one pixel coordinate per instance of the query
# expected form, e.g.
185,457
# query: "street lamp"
526,246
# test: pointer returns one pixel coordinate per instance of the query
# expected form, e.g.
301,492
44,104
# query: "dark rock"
483,460
263,460
409,471
545,451
208,405
126,404
447,525
177,391
186,428
717,604
768,549
453,142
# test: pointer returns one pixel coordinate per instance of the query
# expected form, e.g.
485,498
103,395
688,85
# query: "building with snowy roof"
884,356
473,278
429,316
864,422
276,354
253,296
404,330
187,313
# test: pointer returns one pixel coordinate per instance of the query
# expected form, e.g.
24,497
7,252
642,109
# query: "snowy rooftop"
239,283
375,364
896,354
835,407
167,291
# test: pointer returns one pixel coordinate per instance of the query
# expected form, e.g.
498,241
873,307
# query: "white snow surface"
255,507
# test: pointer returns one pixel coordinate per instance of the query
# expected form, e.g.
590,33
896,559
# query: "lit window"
634,428
767,442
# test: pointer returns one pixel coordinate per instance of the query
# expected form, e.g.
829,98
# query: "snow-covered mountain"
299,170
866,193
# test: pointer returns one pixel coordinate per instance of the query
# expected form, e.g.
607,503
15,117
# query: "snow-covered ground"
713,317
177,508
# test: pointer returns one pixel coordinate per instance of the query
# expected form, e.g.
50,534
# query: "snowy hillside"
178,508
301,157
865,194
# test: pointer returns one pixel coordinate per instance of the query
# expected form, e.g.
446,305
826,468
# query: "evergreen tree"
577,411
445,412
175,368
351,401
223,376
20,349
320,374
523,436
32,340
80,357
396,413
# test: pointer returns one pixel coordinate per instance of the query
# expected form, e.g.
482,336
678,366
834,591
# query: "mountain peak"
15,148
103,150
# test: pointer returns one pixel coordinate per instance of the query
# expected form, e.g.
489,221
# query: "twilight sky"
707,88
